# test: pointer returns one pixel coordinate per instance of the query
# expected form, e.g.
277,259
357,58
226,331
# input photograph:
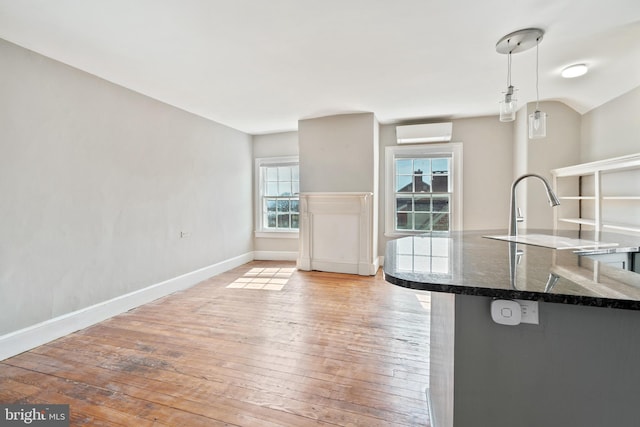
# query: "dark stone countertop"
470,264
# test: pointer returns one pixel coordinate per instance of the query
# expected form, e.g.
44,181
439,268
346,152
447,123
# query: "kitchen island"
577,366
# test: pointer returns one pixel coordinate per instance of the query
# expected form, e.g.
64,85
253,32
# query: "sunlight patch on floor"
425,300
271,279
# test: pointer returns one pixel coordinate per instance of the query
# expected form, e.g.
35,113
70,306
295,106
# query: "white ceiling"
261,65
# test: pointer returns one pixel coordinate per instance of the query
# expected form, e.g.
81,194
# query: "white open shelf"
622,227
577,198
583,221
620,197
587,186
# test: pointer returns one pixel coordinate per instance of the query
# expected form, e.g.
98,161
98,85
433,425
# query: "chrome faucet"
514,218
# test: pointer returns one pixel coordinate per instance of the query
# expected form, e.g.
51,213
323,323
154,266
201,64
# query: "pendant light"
537,119
508,105
515,42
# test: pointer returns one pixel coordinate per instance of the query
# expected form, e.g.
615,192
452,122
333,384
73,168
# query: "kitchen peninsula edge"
578,366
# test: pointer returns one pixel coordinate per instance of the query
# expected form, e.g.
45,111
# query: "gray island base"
579,366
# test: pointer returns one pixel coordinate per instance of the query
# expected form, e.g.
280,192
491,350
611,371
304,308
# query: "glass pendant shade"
508,106
537,125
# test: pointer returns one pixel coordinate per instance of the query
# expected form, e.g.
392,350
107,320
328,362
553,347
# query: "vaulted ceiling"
261,65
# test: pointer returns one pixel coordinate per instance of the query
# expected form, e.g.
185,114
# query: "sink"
554,242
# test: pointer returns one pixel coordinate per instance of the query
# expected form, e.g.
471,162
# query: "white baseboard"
362,269
30,337
275,255
432,419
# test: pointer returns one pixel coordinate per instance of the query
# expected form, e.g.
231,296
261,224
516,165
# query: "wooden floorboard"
327,350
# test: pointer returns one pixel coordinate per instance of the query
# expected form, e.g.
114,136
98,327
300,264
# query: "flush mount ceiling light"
515,42
576,70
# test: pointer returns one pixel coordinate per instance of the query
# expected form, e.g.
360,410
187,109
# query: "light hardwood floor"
327,349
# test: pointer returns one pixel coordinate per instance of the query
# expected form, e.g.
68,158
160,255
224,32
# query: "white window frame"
449,149
260,229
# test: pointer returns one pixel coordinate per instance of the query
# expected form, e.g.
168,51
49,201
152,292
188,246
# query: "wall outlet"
529,311
184,234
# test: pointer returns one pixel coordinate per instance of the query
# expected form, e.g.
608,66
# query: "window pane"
295,221
441,203
403,184
271,220
271,205
404,221
423,221
441,222
404,204
272,174
422,183
423,165
272,189
283,220
404,166
284,173
283,206
284,188
294,205
441,183
423,204
295,187
295,173
440,166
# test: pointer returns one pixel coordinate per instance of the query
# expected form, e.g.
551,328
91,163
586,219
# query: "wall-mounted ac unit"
432,132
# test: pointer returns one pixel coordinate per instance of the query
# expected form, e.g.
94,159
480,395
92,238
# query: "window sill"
400,234
277,234
411,233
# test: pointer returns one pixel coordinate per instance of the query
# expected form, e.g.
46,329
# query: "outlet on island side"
529,311
514,312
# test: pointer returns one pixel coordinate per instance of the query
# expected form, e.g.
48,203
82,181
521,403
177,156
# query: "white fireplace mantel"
337,233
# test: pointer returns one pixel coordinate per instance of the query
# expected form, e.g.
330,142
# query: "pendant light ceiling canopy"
519,41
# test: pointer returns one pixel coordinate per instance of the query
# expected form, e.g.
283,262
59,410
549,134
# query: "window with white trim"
277,202
423,188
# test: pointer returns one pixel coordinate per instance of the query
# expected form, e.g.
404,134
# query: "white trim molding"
33,336
275,255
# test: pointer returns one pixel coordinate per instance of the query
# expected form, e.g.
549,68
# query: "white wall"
613,129
96,184
488,168
337,153
275,145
